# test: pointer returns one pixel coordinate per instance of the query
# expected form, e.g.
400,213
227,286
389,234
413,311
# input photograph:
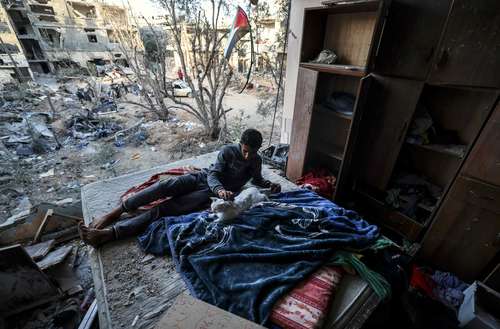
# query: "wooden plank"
45,219
23,284
345,177
481,194
483,162
304,103
349,70
54,257
39,250
387,115
468,52
334,7
410,37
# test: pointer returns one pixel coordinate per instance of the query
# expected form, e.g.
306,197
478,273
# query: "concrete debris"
23,206
40,250
64,201
54,257
49,173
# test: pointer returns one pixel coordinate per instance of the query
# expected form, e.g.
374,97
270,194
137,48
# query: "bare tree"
199,42
152,81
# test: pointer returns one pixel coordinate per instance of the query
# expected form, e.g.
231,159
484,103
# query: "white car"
181,89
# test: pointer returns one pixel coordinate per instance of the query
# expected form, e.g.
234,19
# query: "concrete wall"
292,65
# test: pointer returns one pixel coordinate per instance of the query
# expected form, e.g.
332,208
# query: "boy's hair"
252,138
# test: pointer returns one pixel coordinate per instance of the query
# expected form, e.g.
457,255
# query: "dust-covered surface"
128,284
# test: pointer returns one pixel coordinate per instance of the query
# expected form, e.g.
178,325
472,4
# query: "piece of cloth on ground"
245,267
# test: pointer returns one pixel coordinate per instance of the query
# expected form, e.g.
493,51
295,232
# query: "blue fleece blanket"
246,266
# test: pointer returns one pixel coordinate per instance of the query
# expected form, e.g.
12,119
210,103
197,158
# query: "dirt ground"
59,174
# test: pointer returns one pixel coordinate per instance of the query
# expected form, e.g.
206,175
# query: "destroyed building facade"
57,34
12,59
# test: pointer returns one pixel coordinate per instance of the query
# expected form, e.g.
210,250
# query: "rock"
24,204
24,150
49,173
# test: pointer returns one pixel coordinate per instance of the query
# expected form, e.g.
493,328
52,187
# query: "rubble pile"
47,280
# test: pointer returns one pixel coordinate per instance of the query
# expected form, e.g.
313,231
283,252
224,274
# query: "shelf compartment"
388,217
349,70
441,149
348,30
331,151
331,113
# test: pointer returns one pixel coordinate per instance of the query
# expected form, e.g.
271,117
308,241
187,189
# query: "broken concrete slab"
24,285
40,250
55,257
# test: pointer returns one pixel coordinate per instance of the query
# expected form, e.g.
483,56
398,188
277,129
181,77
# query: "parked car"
181,89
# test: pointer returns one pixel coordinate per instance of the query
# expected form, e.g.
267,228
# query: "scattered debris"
54,257
24,285
276,155
40,250
49,173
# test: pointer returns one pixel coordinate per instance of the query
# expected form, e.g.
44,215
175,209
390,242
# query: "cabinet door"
388,111
468,53
410,38
483,162
302,113
465,235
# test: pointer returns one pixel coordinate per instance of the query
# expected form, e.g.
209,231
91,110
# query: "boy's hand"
275,188
225,195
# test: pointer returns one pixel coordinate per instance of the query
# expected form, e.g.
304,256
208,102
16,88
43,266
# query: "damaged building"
58,34
13,63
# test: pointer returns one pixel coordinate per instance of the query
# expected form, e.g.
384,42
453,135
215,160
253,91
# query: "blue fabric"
245,267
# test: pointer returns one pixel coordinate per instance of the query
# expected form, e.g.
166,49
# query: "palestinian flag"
240,27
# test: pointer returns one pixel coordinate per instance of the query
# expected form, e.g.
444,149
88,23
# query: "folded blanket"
246,266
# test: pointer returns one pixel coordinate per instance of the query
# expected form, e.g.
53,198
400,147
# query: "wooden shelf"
349,70
389,217
323,110
439,148
427,208
334,7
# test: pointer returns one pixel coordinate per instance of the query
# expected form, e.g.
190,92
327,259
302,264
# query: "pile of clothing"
410,192
320,180
441,286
